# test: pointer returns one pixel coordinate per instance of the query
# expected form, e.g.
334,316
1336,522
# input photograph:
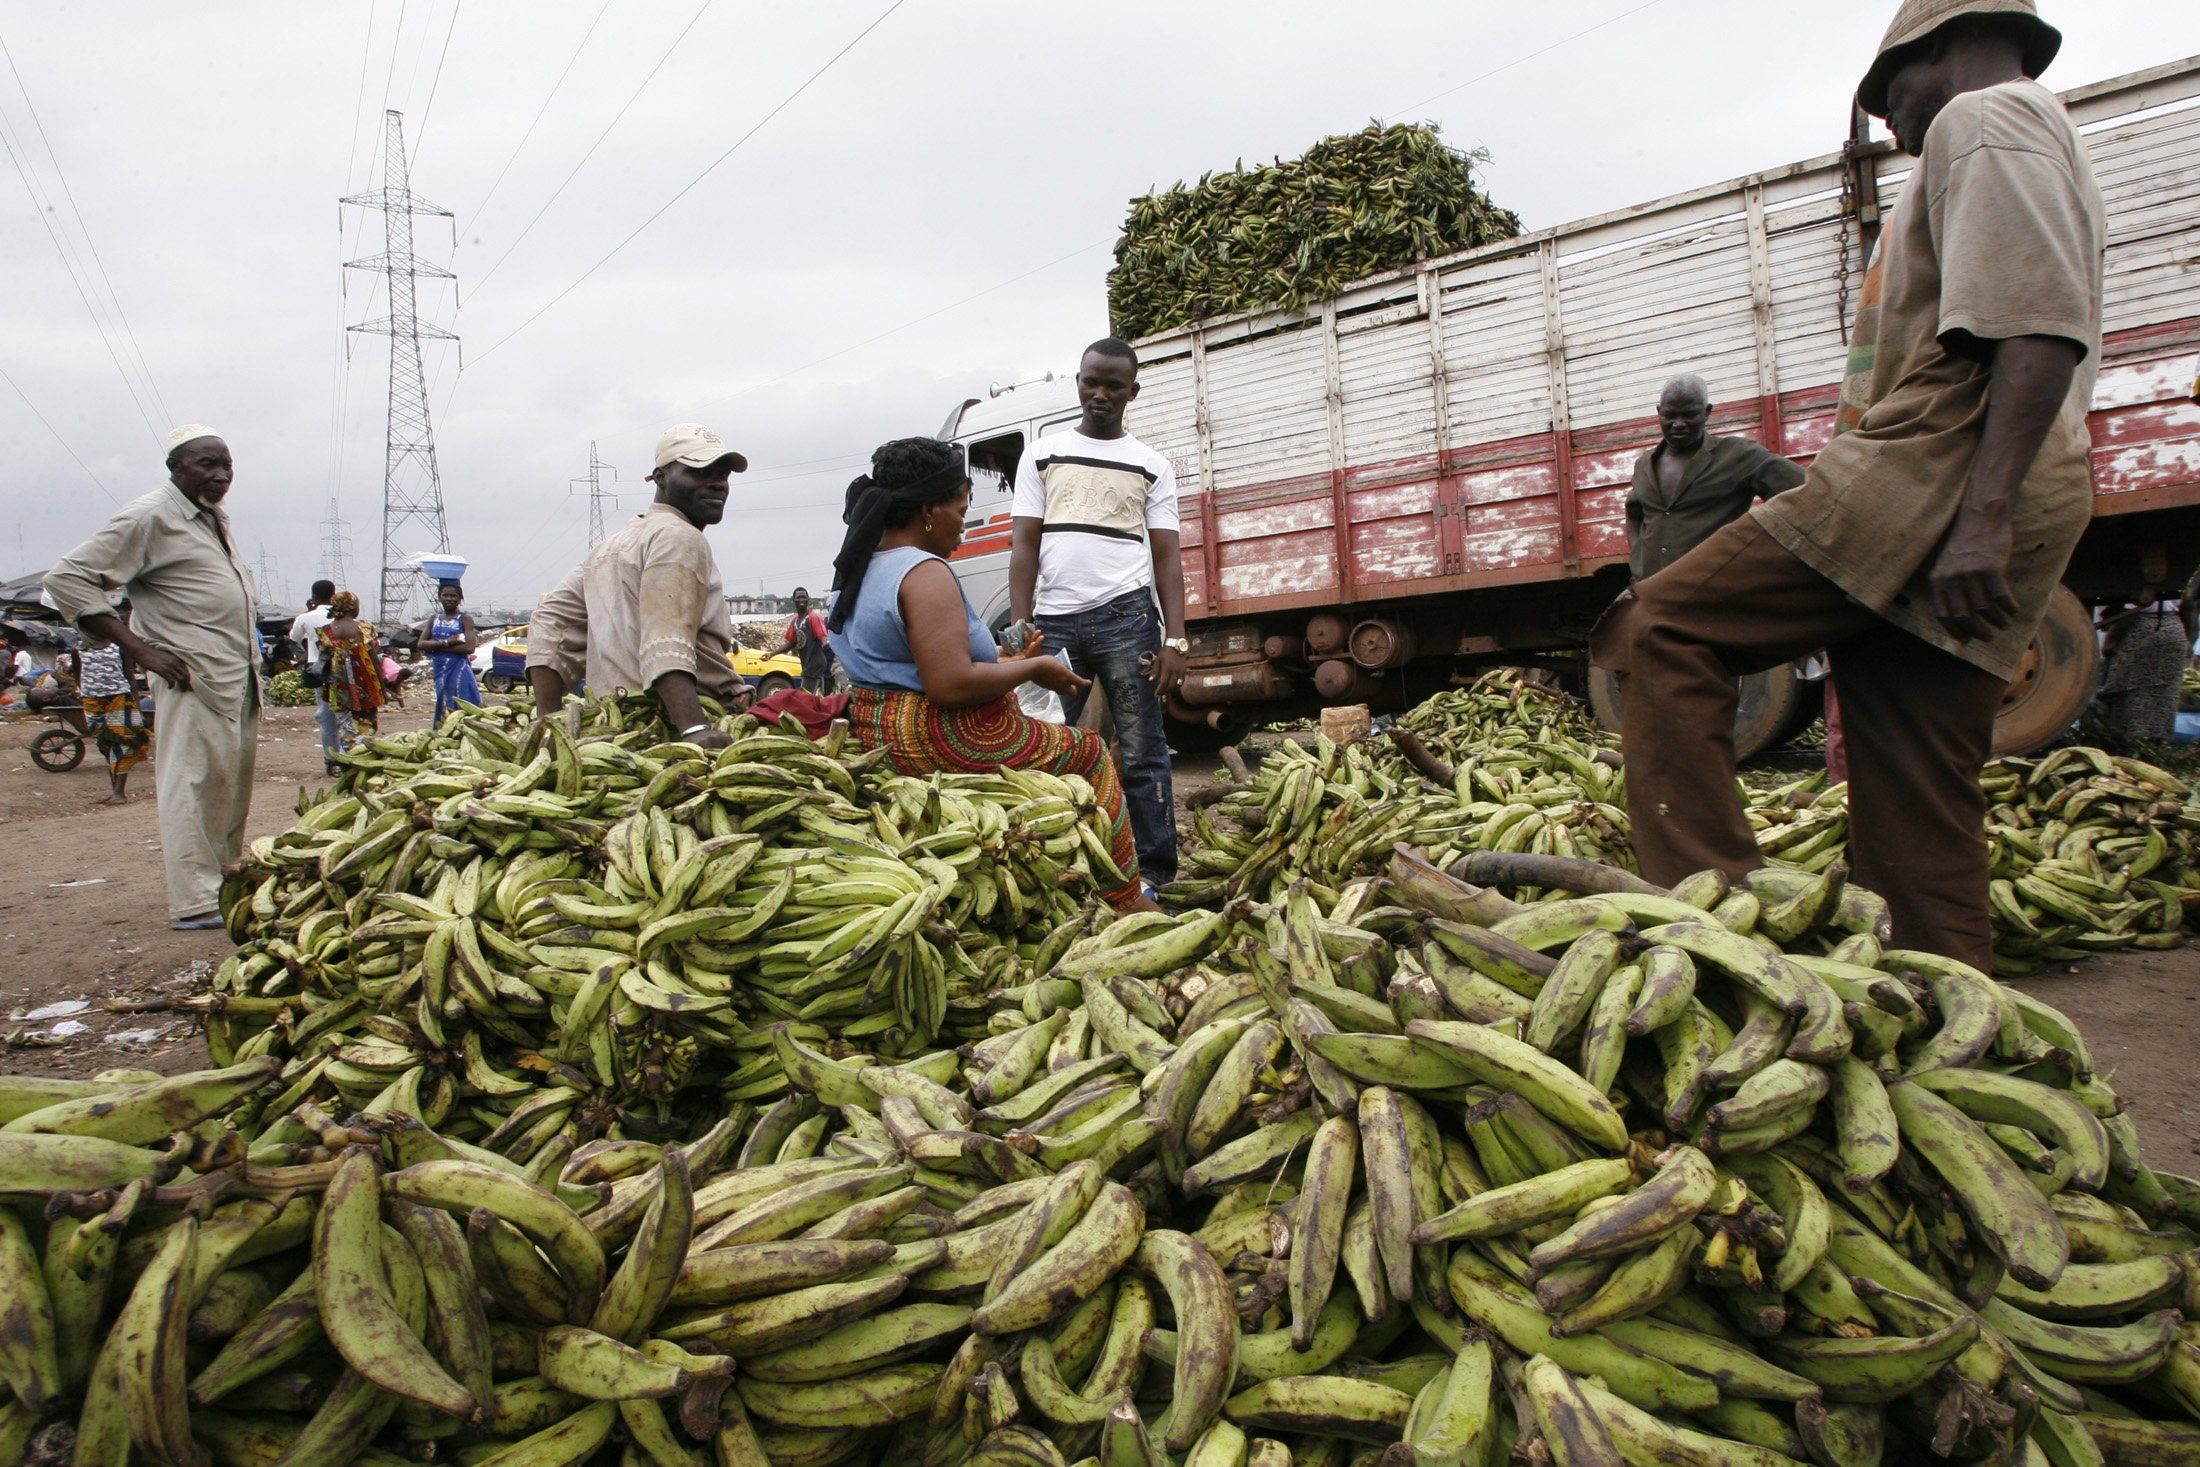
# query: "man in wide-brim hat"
1924,546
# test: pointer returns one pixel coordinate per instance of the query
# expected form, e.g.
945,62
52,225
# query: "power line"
340,387
84,229
39,207
1524,60
1026,275
788,101
87,468
539,112
397,44
420,138
494,184
569,177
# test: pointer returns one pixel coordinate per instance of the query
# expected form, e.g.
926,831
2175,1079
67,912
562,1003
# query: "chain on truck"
1428,476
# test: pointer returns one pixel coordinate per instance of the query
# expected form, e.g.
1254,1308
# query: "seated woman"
930,684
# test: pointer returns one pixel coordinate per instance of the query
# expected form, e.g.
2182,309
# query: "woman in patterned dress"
931,685
112,715
353,655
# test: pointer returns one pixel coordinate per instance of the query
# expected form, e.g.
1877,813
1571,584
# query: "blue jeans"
325,716
1117,644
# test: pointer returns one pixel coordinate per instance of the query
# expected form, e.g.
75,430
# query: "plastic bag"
1042,703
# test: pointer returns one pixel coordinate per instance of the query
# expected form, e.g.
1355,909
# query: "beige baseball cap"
1918,19
697,447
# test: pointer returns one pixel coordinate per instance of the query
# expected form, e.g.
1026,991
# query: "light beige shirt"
188,591
645,602
2000,234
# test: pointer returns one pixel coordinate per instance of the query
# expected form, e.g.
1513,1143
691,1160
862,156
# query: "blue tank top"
873,643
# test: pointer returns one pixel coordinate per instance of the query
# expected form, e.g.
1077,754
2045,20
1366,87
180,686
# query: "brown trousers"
1919,727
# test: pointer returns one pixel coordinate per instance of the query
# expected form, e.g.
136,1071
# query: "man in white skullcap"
646,611
171,556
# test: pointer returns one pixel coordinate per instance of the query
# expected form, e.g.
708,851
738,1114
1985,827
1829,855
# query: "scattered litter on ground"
59,1010
65,885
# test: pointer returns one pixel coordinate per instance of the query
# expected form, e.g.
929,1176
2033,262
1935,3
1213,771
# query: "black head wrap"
881,501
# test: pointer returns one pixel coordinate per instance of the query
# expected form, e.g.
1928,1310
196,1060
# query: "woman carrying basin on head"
930,683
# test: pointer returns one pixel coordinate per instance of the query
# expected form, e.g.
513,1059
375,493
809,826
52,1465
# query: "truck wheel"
772,682
1762,719
2061,672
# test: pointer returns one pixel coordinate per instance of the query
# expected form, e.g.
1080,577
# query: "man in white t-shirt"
1094,546
312,661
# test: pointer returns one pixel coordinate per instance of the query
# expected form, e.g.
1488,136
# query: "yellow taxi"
769,671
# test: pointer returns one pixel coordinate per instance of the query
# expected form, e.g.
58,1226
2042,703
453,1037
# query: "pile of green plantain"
2091,852
512,930
289,690
1292,234
1406,1174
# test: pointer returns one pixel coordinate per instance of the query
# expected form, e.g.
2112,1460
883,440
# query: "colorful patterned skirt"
921,737
118,727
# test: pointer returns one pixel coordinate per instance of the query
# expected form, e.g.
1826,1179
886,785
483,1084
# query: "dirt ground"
83,916
84,906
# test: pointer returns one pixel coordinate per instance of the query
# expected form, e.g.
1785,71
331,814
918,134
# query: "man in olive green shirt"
1693,484
1923,547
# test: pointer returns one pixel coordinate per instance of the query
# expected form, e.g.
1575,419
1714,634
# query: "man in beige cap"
647,610
1924,546
193,605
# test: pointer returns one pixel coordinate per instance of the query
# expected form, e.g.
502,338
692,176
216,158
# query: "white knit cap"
177,437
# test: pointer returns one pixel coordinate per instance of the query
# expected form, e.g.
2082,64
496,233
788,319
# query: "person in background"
312,671
1093,543
1694,483
107,685
54,690
2149,647
395,675
1930,533
448,640
22,667
352,653
192,631
930,684
809,640
646,611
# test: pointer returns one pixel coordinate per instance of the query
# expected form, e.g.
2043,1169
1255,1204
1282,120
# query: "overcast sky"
932,215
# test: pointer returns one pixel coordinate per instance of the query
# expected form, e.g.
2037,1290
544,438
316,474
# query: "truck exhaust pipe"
1219,687
1218,719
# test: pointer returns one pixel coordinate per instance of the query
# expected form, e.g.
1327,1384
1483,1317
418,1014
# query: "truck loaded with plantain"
1392,481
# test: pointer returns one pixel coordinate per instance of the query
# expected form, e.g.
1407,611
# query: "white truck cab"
993,431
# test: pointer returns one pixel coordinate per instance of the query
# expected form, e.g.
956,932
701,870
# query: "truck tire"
2061,673
1770,702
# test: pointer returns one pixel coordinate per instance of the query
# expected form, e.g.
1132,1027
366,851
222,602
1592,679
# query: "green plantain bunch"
1293,234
